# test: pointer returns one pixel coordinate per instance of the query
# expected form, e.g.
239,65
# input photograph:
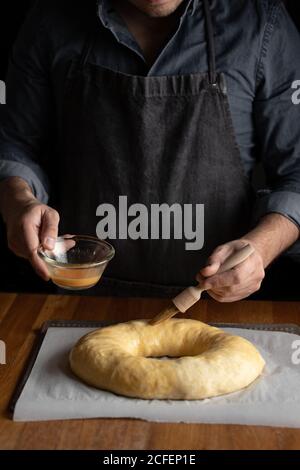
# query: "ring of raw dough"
206,362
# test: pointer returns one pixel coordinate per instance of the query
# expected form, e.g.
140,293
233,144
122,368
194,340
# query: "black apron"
156,140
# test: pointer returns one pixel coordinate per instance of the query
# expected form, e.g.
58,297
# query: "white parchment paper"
52,392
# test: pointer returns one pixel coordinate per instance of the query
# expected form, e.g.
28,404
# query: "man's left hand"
271,237
237,283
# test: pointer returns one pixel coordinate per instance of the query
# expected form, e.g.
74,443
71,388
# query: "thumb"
49,228
218,257
209,270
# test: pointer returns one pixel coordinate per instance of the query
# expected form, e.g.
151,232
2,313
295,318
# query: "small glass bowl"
77,262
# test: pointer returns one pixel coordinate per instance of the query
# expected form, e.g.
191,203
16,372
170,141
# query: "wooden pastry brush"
187,298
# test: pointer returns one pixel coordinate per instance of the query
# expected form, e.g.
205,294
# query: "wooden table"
22,315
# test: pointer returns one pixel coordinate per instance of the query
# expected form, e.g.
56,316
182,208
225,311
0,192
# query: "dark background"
15,273
12,14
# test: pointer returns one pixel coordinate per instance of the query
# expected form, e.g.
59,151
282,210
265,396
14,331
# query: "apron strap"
211,49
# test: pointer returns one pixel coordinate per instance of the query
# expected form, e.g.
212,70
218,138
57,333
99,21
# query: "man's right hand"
29,222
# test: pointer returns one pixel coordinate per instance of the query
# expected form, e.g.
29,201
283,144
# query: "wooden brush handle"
236,258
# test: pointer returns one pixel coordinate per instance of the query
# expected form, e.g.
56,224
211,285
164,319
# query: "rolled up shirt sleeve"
277,117
26,117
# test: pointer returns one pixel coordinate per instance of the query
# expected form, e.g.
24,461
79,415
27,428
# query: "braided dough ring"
207,361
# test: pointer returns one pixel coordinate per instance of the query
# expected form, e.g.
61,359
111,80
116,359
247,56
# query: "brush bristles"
166,314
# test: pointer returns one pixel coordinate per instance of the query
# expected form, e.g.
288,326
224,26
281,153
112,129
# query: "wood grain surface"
22,315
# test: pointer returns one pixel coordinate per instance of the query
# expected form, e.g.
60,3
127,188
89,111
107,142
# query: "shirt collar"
105,10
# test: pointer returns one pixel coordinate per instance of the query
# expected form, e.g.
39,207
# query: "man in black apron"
157,140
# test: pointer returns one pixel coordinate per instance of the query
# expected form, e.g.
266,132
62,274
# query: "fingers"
49,228
34,223
218,257
236,283
39,266
69,244
32,243
232,294
241,274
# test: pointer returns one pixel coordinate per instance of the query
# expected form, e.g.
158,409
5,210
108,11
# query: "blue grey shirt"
257,48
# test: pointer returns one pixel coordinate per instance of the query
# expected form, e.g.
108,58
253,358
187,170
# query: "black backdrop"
16,274
12,15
